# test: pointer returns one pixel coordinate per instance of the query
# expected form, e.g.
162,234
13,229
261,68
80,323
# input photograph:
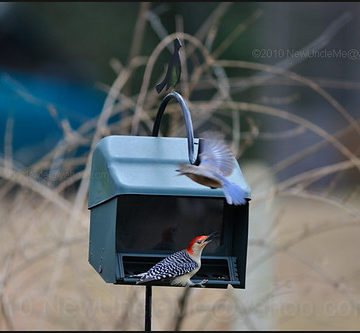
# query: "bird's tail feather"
233,193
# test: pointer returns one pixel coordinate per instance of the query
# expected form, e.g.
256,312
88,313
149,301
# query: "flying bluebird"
216,163
173,73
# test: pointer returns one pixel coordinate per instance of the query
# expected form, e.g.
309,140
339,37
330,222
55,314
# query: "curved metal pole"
187,118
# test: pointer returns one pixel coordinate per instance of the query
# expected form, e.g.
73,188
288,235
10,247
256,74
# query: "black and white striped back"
176,264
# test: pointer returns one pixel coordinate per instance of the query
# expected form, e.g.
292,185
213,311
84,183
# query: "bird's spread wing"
175,265
216,155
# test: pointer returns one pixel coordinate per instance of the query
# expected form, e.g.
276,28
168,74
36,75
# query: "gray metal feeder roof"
146,165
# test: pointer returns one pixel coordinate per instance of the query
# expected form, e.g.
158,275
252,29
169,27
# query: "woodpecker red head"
198,243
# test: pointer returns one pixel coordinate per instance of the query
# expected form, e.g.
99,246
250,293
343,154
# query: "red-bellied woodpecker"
180,266
216,163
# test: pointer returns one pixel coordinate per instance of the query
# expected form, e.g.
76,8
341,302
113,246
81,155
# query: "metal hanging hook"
187,118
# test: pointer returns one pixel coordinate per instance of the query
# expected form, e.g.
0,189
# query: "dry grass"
313,279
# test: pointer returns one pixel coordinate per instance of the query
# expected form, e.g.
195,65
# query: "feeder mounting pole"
148,301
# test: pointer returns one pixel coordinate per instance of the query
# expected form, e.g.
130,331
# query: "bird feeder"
141,210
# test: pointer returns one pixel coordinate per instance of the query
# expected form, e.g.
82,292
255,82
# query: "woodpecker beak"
210,237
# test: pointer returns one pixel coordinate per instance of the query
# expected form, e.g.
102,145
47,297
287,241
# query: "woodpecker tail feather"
233,193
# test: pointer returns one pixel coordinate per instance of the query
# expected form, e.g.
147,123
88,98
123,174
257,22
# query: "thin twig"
236,32
80,197
182,309
296,77
257,108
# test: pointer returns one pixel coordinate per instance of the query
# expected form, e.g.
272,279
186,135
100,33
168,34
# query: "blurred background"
279,80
